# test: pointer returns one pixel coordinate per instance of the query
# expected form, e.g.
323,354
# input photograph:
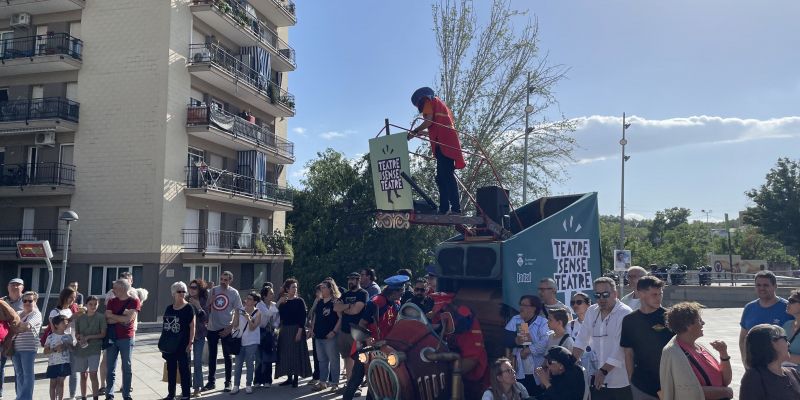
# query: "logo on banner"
572,261
520,260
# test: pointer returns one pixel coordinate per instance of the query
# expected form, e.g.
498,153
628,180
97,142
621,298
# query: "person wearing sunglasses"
421,298
687,369
601,331
561,376
792,327
580,304
198,298
504,385
26,343
176,340
766,377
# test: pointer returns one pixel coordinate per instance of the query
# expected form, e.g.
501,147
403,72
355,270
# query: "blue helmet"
420,94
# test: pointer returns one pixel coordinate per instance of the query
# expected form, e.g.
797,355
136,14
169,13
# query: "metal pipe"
64,261
623,142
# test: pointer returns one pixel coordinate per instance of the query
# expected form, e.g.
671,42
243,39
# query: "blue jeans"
23,373
123,348
197,360
246,355
329,364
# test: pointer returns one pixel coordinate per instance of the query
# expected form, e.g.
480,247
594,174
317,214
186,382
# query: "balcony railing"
239,127
287,5
43,173
204,177
247,20
204,240
42,108
216,55
41,45
9,238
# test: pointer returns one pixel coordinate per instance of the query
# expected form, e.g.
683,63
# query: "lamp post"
625,158
706,212
67,216
528,129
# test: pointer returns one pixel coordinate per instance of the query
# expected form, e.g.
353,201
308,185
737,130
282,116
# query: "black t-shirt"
425,303
353,297
646,334
325,319
175,331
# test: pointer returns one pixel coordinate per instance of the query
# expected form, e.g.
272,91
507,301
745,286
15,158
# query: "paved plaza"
721,324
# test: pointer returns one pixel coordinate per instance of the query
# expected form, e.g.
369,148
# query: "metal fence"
41,108
41,45
218,179
204,240
43,173
10,237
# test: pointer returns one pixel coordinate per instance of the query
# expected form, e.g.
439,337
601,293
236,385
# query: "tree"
483,81
666,220
334,232
777,204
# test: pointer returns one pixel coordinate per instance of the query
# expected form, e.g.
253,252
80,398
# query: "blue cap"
396,281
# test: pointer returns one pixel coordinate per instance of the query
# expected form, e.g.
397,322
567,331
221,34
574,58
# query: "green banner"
564,246
388,157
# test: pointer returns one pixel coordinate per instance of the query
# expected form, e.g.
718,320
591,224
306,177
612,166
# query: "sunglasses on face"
508,371
775,339
544,289
193,287
794,301
27,301
180,291
602,295
577,302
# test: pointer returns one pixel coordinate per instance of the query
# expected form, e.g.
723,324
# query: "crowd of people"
629,347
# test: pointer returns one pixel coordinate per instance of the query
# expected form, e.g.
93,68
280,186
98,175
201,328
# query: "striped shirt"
28,340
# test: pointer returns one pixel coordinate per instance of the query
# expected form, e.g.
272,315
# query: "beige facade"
163,124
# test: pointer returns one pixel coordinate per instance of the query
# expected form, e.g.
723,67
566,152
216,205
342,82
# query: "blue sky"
712,89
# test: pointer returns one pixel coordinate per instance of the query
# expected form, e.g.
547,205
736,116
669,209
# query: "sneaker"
228,387
197,393
313,383
334,388
234,390
210,386
357,393
248,389
320,386
127,398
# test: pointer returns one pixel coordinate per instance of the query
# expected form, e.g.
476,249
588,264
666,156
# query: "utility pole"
706,212
625,158
528,111
730,249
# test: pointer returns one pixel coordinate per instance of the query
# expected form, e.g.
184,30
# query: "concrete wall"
715,296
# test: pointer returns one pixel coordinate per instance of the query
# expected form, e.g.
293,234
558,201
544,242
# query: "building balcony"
238,22
36,7
41,53
42,179
209,243
219,126
55,114
279,12
216,184
215,66
9,239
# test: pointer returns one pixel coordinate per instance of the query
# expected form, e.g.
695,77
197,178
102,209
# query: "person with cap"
561,377
433,282
381,310
408,291
445,146
350,308
14,298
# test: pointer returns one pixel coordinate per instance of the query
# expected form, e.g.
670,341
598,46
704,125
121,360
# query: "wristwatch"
603,371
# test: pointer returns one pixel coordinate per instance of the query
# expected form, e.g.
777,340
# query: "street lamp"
528,111
67,216
625,158
706,212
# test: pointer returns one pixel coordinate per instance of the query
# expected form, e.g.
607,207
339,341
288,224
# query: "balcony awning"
24,131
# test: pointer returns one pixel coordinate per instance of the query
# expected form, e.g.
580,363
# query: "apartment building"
162,123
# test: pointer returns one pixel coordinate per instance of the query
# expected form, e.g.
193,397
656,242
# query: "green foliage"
777,204
334,232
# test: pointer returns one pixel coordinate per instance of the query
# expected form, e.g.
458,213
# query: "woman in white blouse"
270,321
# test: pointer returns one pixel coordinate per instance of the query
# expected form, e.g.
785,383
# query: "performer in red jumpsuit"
467,340
445,146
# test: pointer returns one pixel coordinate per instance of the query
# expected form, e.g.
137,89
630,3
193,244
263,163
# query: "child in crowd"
58,349
90,329
557,321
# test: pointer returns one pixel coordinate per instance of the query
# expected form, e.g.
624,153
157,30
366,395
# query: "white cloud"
330,135
635,217
598,135
299,130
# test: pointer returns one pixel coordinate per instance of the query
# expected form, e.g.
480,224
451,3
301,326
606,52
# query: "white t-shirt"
249,337
58,357
67,313
269,314
553,341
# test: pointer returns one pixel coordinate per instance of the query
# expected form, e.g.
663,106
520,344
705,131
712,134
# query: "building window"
207,272
102,277
36,278
256,273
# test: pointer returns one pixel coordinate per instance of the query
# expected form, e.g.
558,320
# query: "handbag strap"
563,339
697,365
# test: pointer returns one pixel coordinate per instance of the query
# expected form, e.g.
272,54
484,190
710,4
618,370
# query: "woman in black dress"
176,340
292,347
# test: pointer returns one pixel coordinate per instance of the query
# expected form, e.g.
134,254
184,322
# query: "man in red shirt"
445,146
121,312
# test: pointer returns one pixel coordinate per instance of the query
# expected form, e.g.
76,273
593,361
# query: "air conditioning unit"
21,20
45,139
